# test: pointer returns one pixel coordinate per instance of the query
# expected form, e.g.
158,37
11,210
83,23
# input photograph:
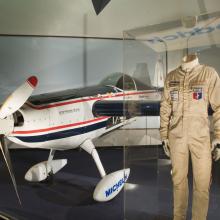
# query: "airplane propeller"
6,155
10,106
18,97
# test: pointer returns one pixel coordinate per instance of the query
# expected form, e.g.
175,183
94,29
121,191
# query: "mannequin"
189,62
184,130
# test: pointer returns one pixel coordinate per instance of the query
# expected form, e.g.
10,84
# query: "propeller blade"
7,159
18,97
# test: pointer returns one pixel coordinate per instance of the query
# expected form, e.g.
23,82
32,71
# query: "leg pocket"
176,126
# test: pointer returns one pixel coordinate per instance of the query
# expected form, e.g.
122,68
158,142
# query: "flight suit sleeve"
214,100
165,111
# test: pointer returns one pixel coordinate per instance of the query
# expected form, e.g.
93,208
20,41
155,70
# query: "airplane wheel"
50,179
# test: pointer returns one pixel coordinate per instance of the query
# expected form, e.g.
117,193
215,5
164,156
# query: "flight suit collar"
189,62
192,71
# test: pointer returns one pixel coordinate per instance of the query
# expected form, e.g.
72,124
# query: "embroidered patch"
174,95
174,83
197,93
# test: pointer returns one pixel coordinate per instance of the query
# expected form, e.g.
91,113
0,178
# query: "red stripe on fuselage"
59,127
84,100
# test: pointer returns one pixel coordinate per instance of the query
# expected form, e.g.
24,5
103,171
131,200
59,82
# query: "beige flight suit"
184,122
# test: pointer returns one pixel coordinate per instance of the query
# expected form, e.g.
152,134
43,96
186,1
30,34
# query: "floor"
148,195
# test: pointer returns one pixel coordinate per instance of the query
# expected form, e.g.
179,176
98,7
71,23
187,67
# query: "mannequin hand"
216,149
215,142
166,148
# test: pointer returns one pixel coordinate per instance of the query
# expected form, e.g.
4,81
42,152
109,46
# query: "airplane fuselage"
69,119
66,124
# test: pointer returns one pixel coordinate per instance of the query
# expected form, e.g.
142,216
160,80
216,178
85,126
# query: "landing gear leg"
89,147
110,185
50,175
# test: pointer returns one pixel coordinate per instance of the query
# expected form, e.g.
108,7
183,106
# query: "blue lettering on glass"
155,40
114,188
204,30
185,34
170,37
180,34
218,26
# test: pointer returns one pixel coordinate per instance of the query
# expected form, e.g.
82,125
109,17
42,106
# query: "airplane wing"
126,108
129,108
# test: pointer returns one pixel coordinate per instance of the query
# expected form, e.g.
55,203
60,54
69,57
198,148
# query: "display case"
150,53
73,74
113,88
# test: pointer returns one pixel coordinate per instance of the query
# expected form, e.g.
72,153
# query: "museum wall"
59,63
62,63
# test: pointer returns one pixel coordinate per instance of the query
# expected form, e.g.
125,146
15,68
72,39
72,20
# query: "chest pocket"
174,97
174,90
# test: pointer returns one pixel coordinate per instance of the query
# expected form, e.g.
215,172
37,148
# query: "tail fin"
158,75
142,74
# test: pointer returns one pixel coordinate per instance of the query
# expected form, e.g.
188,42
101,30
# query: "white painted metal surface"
111,185
18,97
40,171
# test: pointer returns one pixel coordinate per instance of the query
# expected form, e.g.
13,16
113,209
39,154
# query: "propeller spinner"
10,106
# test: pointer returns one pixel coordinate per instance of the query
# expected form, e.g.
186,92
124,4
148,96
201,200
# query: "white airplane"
71,119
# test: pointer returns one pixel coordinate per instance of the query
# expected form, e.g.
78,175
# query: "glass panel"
149,54
141,144
73,75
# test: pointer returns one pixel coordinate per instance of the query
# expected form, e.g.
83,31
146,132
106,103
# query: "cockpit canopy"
120,80
125,82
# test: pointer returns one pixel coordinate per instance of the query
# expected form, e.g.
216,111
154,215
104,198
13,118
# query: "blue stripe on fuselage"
62,134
